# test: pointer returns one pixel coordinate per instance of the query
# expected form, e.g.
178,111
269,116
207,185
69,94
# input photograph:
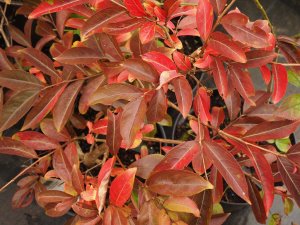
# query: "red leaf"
233,103
65,105
113,137
141,70
100,126
22,197
257,203
202,105
48,128
135,8
236,25
216,180
294,154
205,18
147,32
77,179
184,95
78,55
167,76
84,210
182,204
182,61
220,76
88,91
264,172
271,130
99,20
62,166
103,180
36,140
41,61
266,74
121,187
114,216
228,167
177,183
221,43
124,26
201,162
179,156
218,116
280,82
43,107
58,5
5,64
290,178
158,106
108,94
258,58
218,5
19,80
242,81
18,36
160,61
14,147
146,165
16,107
132,120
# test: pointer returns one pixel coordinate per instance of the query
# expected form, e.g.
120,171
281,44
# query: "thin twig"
163,140
24,171
264,13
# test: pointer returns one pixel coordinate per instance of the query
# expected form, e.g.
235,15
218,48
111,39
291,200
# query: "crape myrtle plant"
103,75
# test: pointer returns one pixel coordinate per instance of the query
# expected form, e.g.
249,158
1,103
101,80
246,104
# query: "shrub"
93,99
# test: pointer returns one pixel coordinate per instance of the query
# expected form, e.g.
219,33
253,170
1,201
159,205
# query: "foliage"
102,77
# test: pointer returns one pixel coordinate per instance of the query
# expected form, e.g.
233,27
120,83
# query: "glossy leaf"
182,61
258,58
16,107
280,82
216,179
48,128
84,210
100,19
220,76
166,77
177,182
58,5
141,70
14,147
218,5
149,214
184,96
110,93
65,105
290,177
146,165
228,167
43,107
135,7
201,162
36,140
202,105
271,130
158,105
40,61
182,204
160,62
132,119
78,55
87,91
257,203
242,81
293,154
19,80
179,156
103,180
204,18
121,187
236,25
62,166
147,32
124,26
77,179
218,116
114,216
221,43
113,137
232,101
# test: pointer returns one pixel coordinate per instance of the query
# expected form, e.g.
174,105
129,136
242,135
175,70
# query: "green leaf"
294,78
288,206
217,209
275,219
290,107
283,144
